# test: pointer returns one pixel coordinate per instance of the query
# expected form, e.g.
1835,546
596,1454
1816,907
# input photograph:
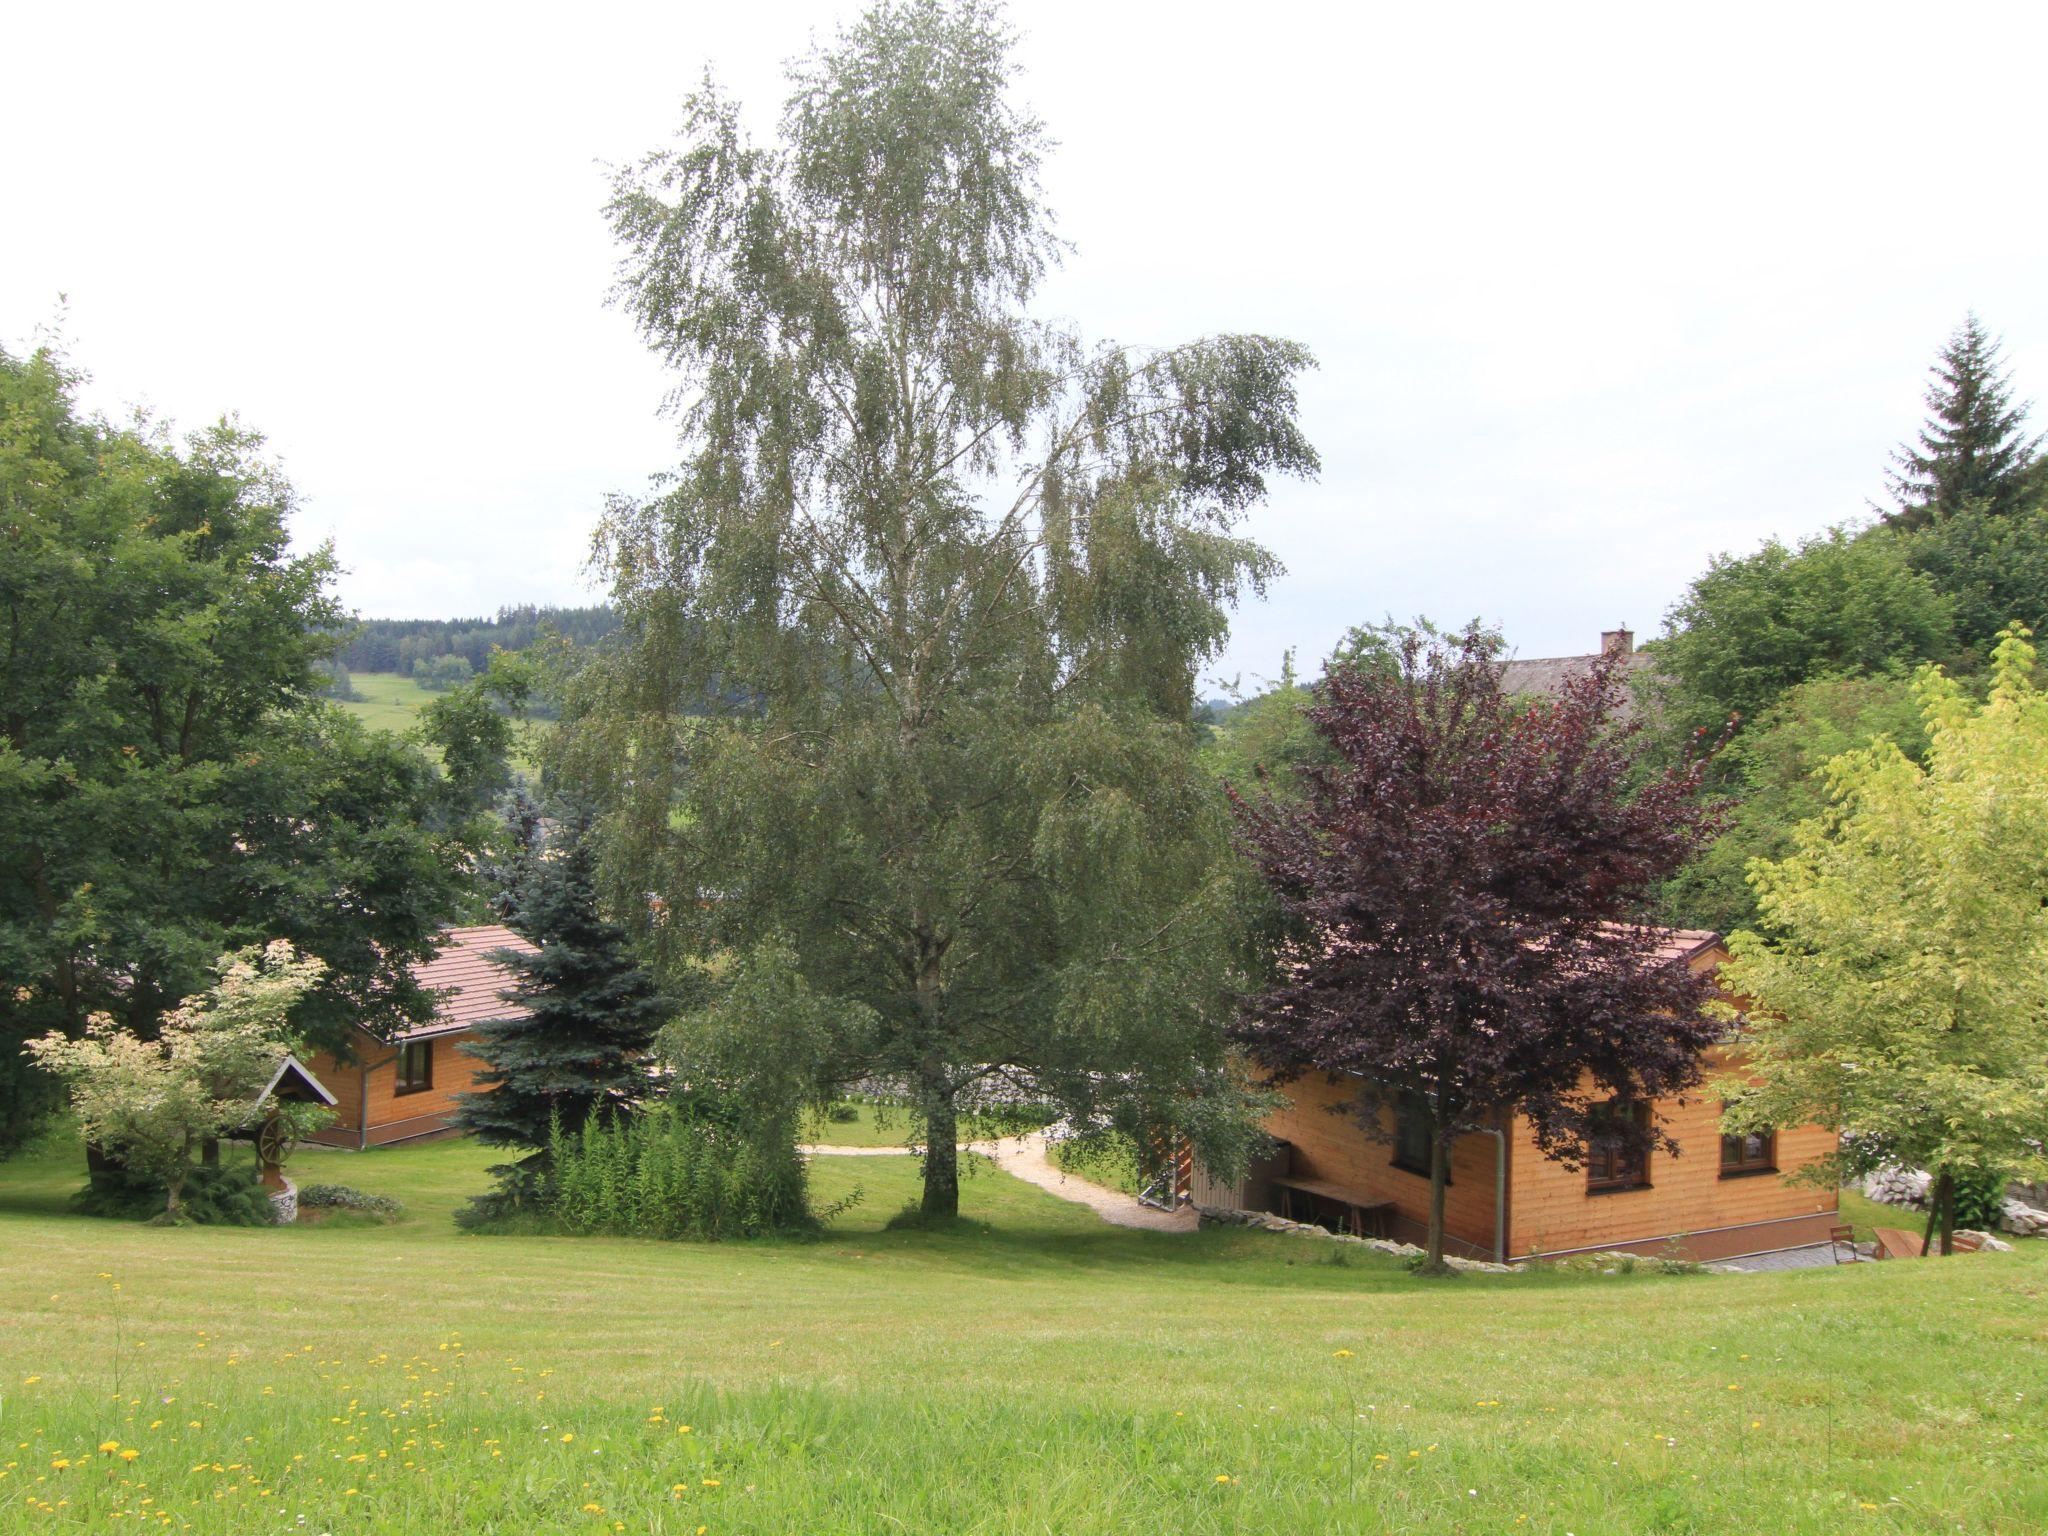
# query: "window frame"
1408,1110
1745,1167
1615,1182
424,1080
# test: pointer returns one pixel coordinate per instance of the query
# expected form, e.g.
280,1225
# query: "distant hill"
394,645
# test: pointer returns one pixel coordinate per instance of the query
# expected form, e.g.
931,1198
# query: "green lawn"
869,1127
1031,1371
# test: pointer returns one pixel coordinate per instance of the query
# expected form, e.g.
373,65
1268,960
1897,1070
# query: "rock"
1986,1243
284,1204
2023,1220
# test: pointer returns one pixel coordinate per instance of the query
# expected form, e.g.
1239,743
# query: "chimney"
1617,642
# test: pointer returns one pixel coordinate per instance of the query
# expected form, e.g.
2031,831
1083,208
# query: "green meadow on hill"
1029,1370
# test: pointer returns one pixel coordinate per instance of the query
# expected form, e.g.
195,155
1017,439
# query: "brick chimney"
1617,642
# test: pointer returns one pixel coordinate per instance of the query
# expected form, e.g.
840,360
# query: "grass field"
392,702
1029,1371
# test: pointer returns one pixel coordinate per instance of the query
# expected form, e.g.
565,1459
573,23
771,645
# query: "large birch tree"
913,627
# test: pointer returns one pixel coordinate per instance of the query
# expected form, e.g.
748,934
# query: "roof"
1684,943
293,1081
1549,674
470,983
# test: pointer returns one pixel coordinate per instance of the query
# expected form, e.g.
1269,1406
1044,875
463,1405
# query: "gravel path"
1025,1157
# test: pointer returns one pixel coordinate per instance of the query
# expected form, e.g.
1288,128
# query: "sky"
1596,292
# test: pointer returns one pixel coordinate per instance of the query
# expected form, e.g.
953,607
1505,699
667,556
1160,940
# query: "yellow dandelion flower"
711,1482
1342,1354
593,1509
110,1446
682,1429
567,1438
130,1455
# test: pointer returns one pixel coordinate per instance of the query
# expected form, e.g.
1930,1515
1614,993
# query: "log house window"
1411,1137
415,1066
1612,1164
1756,1152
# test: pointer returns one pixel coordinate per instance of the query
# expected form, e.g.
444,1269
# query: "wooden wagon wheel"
273,1146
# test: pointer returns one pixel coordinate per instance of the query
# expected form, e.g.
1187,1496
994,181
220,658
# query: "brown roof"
1548,674
1684,943
471,985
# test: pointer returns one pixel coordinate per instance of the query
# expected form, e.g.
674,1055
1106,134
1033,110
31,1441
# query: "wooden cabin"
1718,1197
404,1089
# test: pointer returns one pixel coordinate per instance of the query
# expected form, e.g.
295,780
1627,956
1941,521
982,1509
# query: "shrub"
215,1195
1980,1201
342,1197
674,1172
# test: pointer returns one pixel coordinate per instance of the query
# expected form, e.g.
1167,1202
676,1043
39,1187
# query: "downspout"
363,1107
1500,1191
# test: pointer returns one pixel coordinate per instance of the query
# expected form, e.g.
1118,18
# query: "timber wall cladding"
395,1116
1334,1147
1550,1209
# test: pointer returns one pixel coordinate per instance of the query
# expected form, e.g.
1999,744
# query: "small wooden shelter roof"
294,1082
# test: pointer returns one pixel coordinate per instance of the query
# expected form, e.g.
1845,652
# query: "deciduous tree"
171,784
946,572
1896,972
154,1102
1463,888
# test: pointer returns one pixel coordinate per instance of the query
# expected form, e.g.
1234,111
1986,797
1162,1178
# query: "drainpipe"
1500,1191
363,1107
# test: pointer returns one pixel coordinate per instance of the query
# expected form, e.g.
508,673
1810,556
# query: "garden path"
1026,1158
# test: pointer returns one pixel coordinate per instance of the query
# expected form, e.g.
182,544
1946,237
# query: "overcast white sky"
1596,292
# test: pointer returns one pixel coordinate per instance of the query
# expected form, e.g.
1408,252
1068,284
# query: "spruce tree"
1973,449
591,1012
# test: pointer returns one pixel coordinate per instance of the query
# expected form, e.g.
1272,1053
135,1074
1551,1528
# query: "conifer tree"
1973,449
582,1044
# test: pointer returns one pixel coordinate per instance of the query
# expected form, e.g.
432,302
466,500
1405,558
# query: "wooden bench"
1892,1243
1299,1197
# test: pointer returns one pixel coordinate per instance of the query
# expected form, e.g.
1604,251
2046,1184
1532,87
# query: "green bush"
1980,1201
341,1197
674,1172
215,1195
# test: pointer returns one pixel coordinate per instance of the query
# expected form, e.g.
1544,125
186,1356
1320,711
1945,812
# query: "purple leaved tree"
1463,887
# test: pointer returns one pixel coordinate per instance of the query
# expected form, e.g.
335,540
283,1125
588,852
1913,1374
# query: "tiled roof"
1684,943
470,984
1549,674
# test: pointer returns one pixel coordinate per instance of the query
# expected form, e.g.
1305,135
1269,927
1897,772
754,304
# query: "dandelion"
593,1509
130,1454
711,1482
1342,1354
567,1438
110,1446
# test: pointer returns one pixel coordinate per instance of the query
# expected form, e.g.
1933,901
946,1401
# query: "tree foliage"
171,785
1896,969
1755,625
949,572
1973,451
1463,887
581,1046
154,1102
1774,774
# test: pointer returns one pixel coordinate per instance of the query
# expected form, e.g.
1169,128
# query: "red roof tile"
470,984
